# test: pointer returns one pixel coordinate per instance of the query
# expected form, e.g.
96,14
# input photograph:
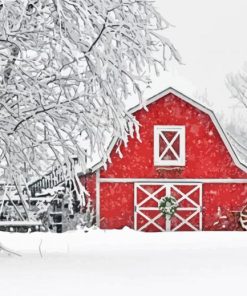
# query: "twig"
40,251
3,248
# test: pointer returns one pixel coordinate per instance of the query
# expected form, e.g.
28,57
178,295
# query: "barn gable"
177,110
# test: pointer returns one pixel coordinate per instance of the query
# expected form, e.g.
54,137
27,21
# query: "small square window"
169,145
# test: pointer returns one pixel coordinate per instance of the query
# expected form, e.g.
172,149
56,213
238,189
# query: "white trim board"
184,181
199,106
98,198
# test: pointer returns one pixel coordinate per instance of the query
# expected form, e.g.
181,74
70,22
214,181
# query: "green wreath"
168,206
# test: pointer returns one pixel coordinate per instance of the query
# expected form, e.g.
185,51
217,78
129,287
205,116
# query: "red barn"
183,154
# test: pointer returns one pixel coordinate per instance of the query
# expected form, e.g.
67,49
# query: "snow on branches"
237,84
67,66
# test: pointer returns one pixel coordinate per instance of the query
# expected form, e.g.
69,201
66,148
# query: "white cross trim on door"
142,210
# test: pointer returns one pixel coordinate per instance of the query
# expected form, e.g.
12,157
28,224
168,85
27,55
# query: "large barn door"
188,215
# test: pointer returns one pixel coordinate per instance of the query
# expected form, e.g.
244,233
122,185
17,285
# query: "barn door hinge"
136,208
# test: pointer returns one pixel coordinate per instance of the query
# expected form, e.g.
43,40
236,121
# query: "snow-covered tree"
66,69
237,84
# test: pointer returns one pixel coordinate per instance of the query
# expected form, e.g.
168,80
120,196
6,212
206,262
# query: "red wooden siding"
117,205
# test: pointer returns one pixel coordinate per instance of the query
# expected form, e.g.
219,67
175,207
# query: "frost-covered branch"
237,85
66,69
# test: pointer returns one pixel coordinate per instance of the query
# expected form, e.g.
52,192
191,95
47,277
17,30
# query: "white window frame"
180,129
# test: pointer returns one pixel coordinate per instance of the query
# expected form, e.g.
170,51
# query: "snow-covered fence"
44,198
50,180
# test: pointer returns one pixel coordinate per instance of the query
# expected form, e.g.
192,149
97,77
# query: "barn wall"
206,154
116,205
221,204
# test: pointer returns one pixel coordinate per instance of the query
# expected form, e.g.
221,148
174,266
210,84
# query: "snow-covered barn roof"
210,113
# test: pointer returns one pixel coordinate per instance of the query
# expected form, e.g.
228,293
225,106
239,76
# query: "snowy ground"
124,263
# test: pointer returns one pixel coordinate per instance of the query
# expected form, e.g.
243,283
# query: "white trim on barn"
193,103
211,181
98,198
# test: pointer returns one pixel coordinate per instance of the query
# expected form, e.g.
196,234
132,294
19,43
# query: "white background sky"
212,39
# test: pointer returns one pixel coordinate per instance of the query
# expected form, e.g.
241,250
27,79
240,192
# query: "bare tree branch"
66,70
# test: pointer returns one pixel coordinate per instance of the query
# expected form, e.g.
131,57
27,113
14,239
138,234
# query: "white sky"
212,39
